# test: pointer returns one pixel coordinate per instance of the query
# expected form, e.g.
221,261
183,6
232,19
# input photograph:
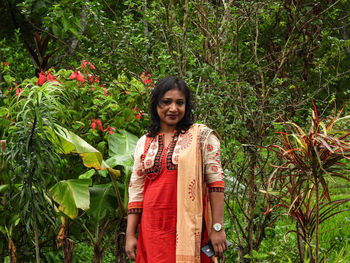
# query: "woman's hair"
162,86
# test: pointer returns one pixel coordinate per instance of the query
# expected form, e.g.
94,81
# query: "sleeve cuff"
217,189
218,186
135,211
135,207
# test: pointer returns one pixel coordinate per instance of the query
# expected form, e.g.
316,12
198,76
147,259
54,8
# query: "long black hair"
161,87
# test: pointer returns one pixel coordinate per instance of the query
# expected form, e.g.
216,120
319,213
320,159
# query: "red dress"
157,231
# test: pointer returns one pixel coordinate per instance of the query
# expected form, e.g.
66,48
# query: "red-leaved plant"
310,161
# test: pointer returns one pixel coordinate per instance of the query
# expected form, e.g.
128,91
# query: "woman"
176,185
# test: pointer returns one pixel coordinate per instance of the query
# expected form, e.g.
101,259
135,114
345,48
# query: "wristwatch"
217,227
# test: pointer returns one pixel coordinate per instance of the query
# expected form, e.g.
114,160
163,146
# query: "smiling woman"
171,109
181,207
178,88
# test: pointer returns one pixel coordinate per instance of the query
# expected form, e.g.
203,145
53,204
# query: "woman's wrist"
130,234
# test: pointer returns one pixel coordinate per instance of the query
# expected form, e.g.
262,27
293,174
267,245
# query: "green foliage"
71,195
310,160
13,52
245,61
30,156
103,202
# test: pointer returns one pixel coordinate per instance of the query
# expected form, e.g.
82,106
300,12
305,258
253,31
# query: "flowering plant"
96,108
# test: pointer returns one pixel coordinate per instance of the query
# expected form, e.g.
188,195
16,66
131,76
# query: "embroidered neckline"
153,172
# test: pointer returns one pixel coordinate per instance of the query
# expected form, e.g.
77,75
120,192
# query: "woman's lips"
172,116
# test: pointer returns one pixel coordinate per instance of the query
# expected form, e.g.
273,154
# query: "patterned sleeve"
137,180
214,174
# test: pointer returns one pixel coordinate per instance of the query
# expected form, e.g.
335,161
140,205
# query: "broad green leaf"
102,201
72,143
72,195
121,143
87,175
125,160
103,173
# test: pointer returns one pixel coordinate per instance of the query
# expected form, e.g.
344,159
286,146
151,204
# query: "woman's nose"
173,107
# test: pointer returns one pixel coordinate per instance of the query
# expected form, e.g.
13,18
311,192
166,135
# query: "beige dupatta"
191,190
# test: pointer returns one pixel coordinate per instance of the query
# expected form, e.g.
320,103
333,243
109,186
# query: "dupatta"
192,197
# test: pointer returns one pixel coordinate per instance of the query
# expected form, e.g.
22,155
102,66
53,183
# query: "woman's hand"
130,246
218,240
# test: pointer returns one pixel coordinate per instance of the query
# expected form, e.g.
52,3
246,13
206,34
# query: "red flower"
138,116
99,123
77,75
110,129
50,77
93,124
18,91
80,77
146,78
73,75
85,62
90,78
97,80
6,64
41,79
126,92
106,91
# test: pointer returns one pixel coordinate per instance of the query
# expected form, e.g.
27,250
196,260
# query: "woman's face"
171,108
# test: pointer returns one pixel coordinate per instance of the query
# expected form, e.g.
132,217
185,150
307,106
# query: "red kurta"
157,231
153,193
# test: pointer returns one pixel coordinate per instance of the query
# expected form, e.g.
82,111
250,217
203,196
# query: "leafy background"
245,62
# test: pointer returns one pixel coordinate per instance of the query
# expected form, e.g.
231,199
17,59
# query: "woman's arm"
214,177
131,240
135,200
217,239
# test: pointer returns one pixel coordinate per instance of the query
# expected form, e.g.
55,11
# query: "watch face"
217,227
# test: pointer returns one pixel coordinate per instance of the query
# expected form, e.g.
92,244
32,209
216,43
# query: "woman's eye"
165,102
180,103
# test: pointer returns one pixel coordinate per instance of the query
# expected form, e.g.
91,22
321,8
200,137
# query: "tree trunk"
301,244
120,255
36,238
97,254
68,245
252,191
